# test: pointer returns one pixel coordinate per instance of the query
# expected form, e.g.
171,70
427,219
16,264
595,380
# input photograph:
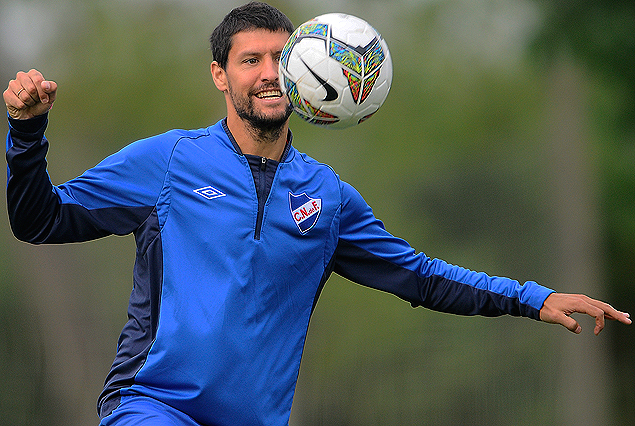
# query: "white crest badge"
305,211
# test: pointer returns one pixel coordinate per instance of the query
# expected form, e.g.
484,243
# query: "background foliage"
506,145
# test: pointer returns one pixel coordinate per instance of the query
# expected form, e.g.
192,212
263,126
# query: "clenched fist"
29,95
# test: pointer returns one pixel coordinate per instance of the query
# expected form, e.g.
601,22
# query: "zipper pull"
263,163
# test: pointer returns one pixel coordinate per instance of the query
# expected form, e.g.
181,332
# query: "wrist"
28,126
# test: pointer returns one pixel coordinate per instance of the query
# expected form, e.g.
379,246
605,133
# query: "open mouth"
269,94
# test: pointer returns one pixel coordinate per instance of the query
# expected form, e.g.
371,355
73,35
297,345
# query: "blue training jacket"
224,286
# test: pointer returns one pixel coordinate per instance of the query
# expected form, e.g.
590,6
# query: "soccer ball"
336,70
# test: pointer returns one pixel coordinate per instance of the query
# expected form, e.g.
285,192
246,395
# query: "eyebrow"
257,53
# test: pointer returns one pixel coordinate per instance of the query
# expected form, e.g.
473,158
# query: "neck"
264,142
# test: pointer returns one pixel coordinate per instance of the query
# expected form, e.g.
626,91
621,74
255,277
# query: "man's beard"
265,128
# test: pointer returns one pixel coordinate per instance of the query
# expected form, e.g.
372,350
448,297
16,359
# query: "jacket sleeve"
114,197
367,254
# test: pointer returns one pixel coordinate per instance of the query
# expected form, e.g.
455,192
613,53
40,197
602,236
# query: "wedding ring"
20,91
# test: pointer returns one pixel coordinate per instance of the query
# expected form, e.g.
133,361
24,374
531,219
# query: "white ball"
336,70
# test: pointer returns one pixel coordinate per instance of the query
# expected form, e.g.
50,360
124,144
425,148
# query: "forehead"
258,41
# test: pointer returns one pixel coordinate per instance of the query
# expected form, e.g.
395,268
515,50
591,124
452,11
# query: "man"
226,278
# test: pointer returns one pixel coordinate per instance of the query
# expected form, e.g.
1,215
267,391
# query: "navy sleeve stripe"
140,331
41,213
433,292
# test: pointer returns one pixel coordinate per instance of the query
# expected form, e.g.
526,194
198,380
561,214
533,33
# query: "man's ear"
219,76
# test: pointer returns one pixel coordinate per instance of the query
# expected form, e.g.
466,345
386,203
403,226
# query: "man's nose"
270,69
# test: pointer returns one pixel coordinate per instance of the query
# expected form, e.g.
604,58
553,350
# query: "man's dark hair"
251,16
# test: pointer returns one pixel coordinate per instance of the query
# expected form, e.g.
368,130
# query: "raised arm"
113,197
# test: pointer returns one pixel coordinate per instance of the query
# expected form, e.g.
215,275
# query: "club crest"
305,211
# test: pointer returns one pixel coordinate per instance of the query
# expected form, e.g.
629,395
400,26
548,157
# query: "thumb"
47,91
570,324
556,316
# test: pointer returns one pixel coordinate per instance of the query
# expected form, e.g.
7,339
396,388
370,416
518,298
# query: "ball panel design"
336,70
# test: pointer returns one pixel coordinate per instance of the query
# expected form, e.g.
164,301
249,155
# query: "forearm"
437,285
32,204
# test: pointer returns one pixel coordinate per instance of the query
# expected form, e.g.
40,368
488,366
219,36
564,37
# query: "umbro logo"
209,192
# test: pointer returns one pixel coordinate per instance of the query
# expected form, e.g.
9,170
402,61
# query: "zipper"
261,197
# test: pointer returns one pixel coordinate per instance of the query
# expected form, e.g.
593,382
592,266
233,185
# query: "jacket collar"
285,153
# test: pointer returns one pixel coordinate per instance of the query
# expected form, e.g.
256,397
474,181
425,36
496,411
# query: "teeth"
269,94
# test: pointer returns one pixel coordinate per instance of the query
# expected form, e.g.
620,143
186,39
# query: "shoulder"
163,144
170,138
154,152
310,168
307,163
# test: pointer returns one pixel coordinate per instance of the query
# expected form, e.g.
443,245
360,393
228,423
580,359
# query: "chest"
213,198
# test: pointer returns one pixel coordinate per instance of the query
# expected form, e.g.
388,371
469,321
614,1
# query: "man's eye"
251,61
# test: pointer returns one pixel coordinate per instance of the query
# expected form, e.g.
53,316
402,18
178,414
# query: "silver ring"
20,91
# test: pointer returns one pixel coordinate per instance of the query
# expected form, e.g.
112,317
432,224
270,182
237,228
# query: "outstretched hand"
29,95
558,308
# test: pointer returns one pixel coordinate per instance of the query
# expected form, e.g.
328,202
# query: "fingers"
599,322
29,94
604,310
33,88
559,307
594,308
610,312
25,87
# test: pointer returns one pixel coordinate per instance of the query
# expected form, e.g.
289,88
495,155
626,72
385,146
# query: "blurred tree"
25,398
600,36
